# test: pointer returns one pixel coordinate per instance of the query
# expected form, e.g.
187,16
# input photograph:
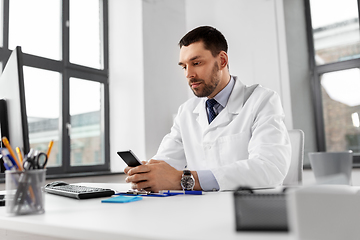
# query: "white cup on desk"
332,167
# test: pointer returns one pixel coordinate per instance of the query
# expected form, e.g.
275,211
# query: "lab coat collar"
233,107
236,99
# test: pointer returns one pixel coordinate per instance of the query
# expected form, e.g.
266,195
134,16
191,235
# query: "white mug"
326,165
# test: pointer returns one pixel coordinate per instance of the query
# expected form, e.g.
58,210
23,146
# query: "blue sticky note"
122,199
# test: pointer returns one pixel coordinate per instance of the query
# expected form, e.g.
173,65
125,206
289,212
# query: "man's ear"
223,59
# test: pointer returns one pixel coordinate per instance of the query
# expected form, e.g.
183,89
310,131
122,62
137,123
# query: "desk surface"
209,216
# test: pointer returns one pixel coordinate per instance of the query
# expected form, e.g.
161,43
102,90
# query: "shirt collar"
223,96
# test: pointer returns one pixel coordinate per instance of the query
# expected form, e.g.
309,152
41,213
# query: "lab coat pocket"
212,154
233,147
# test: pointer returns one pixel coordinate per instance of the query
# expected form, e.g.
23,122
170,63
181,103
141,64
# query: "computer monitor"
12,90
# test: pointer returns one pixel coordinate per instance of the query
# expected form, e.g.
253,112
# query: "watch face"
187,182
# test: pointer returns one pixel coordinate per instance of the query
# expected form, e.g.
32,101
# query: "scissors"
35,160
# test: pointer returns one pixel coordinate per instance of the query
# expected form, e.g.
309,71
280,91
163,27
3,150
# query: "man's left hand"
154,176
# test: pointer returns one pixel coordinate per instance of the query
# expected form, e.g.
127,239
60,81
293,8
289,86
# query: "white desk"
209,216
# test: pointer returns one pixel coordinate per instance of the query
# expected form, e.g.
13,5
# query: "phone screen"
129,158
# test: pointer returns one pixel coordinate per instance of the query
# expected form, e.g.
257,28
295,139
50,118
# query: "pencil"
49,148
7,145
19,155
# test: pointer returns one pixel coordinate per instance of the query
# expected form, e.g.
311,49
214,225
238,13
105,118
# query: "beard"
208,88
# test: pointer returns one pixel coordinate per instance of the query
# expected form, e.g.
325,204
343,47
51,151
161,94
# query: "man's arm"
157,175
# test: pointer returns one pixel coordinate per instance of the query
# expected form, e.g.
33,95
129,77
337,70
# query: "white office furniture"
294,176
325,212
208,216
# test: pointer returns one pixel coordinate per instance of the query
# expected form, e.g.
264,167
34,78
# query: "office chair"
294,176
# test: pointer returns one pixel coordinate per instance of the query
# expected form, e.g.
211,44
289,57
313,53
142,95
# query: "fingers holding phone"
147,175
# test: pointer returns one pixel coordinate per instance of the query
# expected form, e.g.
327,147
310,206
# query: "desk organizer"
260,211
24,194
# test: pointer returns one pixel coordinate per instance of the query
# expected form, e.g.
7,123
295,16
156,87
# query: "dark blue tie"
210,103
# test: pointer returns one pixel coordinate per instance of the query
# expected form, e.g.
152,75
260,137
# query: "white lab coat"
247,144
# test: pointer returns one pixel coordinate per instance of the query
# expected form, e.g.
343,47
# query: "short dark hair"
213,39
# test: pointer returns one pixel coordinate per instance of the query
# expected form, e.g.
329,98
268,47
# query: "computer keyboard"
76,191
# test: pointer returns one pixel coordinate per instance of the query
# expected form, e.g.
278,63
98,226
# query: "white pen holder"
24,193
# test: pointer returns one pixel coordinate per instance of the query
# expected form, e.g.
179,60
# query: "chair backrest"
294,176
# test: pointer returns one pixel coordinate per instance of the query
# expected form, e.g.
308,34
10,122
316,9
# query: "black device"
4,131
4,128
260,211
4,125
2,200
130,158
76,191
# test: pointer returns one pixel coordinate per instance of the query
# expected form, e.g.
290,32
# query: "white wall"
165,85
127,124
147,86
256,38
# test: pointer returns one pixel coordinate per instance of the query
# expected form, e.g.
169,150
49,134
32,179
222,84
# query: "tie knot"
210,103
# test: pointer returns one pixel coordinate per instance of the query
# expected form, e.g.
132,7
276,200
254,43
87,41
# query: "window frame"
68,70
315,72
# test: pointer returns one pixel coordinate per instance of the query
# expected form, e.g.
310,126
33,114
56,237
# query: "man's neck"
225,79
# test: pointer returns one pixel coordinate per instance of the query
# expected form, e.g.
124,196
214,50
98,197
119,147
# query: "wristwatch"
187,181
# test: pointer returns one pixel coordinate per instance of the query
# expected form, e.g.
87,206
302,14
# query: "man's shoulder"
247,90
259,90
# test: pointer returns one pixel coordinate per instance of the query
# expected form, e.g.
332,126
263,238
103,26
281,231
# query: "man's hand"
154,176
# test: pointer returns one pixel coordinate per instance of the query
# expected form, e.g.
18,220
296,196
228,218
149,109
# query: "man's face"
201,69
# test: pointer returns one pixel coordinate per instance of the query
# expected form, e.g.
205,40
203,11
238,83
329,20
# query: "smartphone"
129,158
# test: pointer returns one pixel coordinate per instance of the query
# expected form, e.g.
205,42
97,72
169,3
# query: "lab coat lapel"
223,118
200,111
233,108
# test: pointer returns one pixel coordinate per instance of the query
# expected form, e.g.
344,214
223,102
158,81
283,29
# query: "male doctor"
229,135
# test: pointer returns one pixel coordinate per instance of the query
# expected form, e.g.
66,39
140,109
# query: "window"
40,33
43,116
334,45
65,57
335,30
85,33
86,121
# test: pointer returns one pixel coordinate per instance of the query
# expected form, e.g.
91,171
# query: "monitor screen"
13,92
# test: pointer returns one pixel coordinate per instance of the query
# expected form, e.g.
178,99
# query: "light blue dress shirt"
206,177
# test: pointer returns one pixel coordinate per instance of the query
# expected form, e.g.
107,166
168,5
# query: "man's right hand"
154,176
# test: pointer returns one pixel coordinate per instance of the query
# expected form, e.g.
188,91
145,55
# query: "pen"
177,192
19,155
11,161
7,163
8,160
8,146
